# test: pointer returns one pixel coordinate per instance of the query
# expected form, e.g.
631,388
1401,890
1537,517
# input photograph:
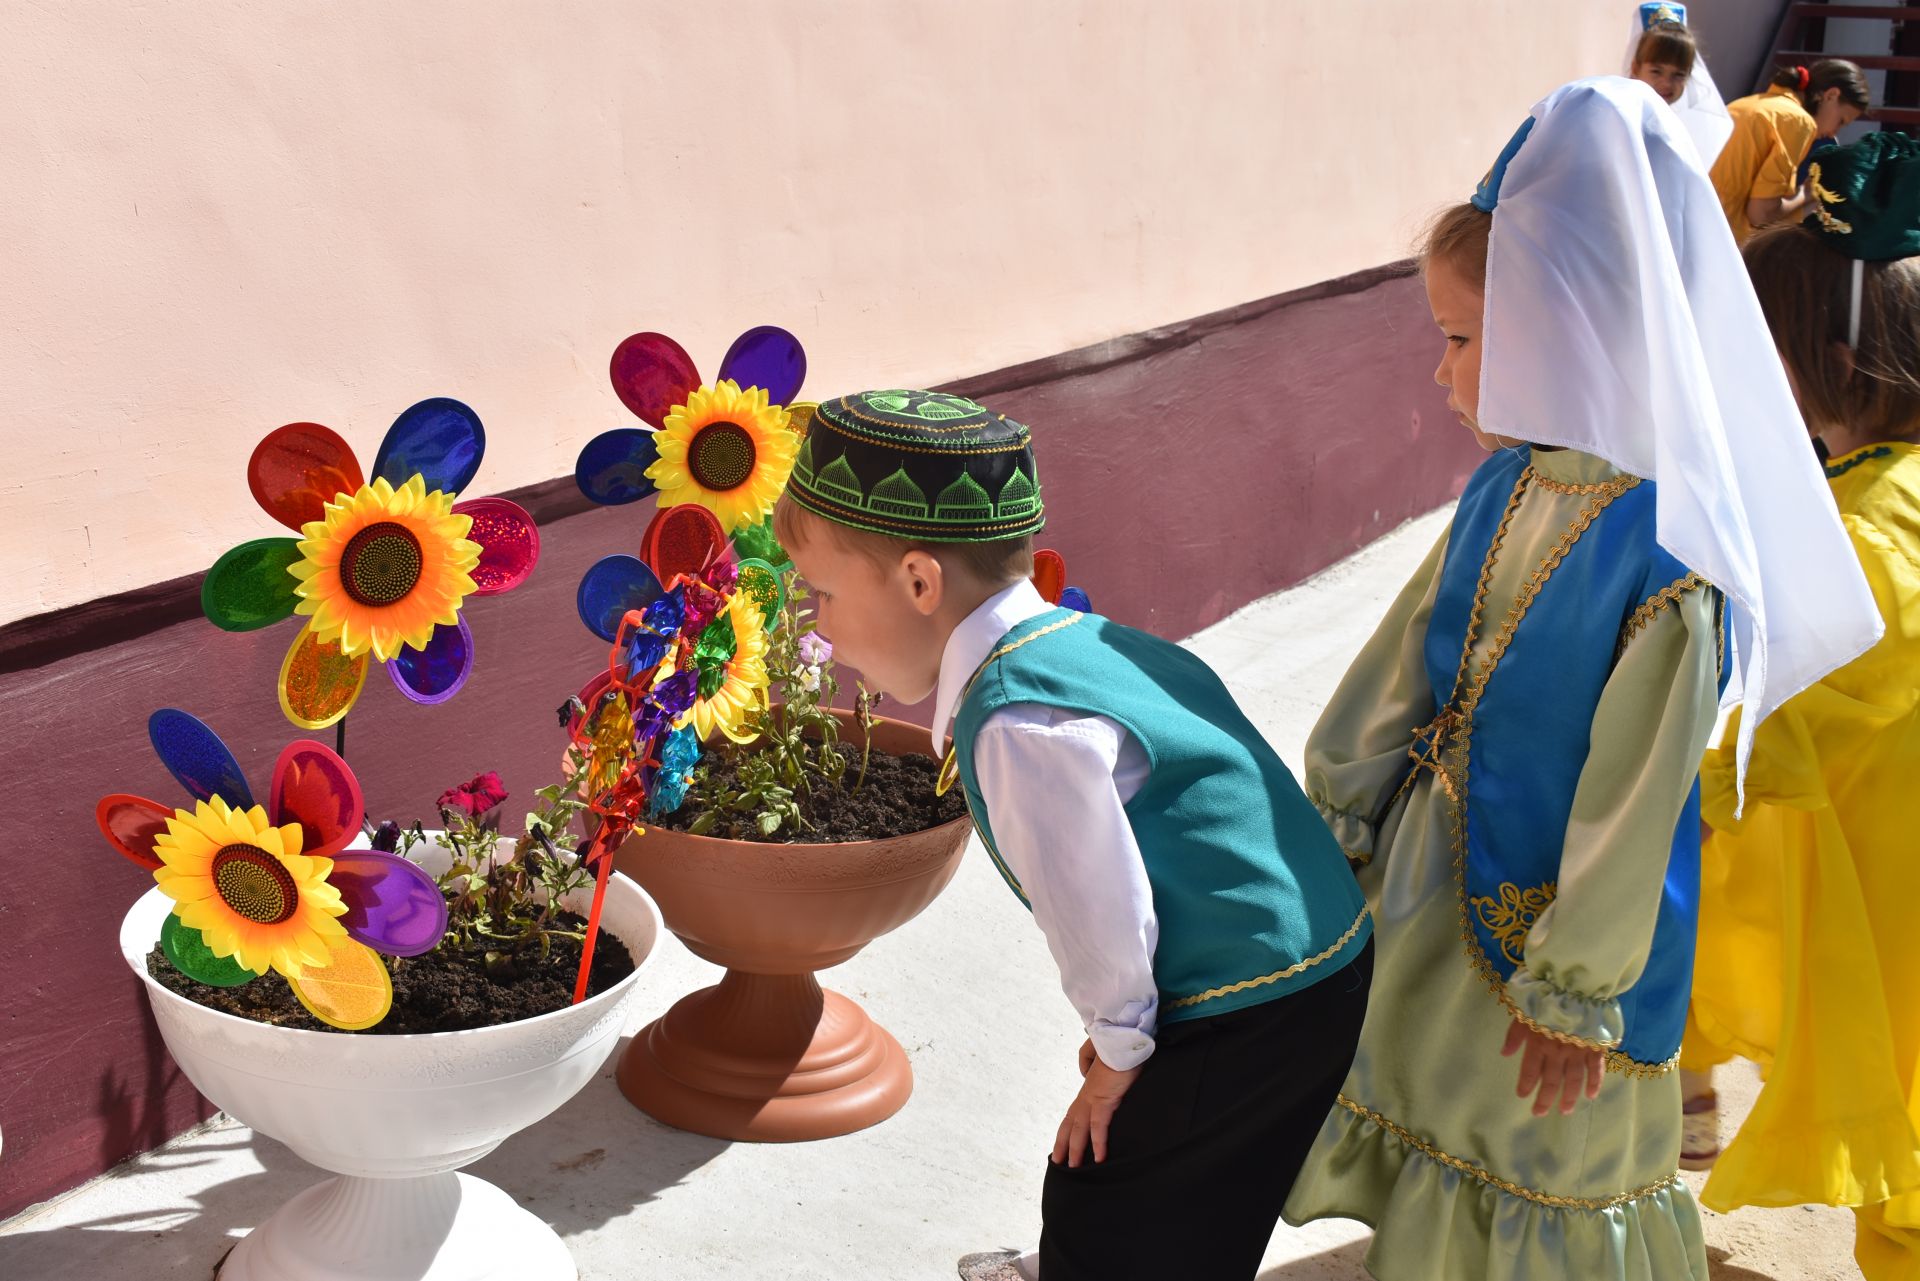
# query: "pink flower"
475,796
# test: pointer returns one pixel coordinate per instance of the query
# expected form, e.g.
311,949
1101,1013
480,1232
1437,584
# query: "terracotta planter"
766,1054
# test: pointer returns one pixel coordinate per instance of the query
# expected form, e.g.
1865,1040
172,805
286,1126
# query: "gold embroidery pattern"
1824,197
1445,746
1275,977
1666,598
1492,1180
1509,917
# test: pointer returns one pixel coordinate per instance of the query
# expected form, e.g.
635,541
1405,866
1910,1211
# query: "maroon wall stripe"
1187,471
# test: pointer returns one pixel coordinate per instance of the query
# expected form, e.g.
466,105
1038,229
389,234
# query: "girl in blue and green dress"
1512,759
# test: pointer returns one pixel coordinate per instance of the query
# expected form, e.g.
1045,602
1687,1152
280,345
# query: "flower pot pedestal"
766,1055
769,1058
440,1227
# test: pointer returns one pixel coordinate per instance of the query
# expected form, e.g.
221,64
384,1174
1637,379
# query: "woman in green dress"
1512,759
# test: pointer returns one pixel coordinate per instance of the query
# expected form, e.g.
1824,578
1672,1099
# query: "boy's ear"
925,580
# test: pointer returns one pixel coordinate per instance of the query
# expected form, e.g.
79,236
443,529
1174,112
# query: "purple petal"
436,673
767,356
392,906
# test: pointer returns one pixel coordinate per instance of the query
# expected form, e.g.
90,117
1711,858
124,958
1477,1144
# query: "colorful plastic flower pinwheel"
274,887
381,569
728,447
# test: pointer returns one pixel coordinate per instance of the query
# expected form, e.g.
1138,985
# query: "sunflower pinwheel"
274,887
727,446
381,568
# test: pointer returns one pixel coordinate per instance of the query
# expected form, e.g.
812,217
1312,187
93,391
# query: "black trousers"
1206,1145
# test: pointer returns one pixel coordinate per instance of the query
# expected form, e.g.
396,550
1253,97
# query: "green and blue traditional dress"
1512,758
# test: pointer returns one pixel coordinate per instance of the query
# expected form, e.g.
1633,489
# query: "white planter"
395,1116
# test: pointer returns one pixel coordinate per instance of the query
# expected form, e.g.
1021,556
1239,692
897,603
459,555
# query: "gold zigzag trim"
1666,598
1550,1199
1275,977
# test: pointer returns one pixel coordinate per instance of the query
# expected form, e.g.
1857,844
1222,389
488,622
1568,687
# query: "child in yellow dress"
1809,959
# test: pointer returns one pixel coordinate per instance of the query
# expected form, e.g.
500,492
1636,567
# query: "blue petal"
612,586
1074,598
770,357
197,758
438,439
612,468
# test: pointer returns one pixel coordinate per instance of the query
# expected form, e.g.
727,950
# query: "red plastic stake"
594,850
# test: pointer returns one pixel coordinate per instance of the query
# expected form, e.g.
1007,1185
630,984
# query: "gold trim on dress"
1492,1180
1666,598
1510,917
1275,977
1445,745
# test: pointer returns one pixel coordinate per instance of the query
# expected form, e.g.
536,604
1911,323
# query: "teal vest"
1253,895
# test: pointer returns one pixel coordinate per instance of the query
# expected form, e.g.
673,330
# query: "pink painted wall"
222,216
1186,471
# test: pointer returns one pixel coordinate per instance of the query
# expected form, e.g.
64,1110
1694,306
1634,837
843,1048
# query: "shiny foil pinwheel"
274,887
381,568
728,446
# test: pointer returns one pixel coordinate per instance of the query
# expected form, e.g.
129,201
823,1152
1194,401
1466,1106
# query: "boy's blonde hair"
998,563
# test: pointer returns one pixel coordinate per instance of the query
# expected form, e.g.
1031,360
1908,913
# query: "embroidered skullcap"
922,465
1866,197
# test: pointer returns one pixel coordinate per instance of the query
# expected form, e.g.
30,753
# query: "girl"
1661,54
1664,58
1757,174
1530,849
1808,957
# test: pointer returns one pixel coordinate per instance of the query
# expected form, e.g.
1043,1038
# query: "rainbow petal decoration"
382,567
727,446
273,887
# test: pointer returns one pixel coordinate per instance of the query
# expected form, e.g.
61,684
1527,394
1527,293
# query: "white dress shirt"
1056,784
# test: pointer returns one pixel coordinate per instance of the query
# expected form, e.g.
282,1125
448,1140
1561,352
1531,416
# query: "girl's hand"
1554,1068
1092,1110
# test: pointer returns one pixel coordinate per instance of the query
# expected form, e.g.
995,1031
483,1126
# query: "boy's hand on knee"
1092,1110
1551,1069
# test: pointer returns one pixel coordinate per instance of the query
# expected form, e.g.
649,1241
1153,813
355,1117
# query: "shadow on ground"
588,1164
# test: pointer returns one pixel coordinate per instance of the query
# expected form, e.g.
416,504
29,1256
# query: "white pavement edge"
969,990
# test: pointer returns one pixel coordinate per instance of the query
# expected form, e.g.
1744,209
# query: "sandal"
1700,1131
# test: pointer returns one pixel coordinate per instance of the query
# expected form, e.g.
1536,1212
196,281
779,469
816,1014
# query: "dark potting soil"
443,991
896,800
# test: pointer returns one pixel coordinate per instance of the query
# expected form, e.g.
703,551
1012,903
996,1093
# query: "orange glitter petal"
318,682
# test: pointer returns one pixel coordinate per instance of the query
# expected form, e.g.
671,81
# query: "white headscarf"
1701,108
1620,321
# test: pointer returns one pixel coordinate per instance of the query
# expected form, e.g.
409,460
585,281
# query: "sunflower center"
381,564
254,884
721,456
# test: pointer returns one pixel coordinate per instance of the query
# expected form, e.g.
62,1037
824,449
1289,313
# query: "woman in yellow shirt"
1808,956
1757,172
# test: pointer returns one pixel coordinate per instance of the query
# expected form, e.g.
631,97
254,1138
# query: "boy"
1205,922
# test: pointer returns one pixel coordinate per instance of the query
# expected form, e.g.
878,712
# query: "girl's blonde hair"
1806,291
1458,237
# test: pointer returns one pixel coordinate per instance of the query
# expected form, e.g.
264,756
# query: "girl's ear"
1843,356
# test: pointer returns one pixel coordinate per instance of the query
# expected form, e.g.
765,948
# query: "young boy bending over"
1204,919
